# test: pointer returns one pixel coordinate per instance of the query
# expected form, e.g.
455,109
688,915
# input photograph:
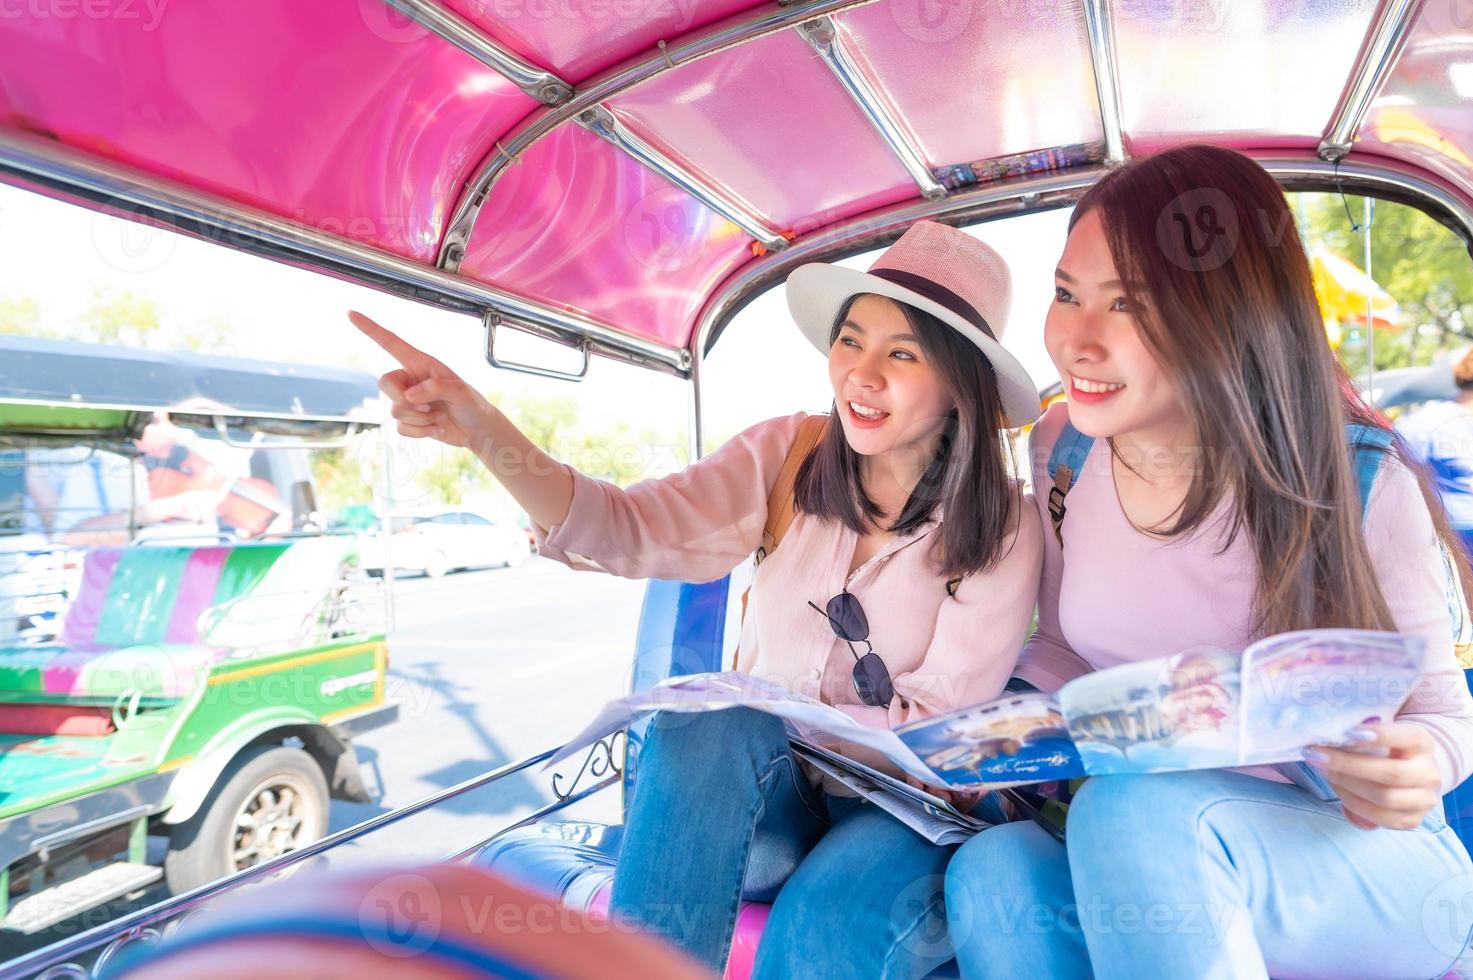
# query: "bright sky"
58,255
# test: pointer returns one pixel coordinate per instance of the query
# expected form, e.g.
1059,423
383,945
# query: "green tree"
122,318
613,451
339,479
117,317
548,422
618,452
20,316
1423,264
454,475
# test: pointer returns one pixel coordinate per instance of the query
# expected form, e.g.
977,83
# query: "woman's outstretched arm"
695,525
430,401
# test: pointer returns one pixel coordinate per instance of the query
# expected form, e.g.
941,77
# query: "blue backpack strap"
1368,447
1064,465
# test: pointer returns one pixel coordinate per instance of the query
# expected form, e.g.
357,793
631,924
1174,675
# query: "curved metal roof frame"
1303,172
57,169
51,168
740,29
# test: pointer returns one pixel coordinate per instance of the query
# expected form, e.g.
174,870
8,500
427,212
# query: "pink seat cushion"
751,920
55,719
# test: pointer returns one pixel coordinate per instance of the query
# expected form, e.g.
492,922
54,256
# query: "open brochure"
925,813
1200,709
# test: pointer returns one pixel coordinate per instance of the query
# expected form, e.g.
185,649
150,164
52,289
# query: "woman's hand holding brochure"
1386,777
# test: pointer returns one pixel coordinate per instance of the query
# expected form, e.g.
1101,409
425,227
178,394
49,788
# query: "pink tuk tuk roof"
622,174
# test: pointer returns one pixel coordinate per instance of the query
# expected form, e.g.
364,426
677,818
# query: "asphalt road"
489,667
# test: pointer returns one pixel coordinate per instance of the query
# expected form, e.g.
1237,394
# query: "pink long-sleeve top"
1113,594
943,653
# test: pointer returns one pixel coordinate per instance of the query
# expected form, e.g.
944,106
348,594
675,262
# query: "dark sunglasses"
871,678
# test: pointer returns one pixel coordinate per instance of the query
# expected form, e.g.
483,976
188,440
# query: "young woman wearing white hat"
904,587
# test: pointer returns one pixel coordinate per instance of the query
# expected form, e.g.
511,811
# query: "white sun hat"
936,268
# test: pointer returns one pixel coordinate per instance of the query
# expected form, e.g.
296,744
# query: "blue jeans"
1209,874
721,811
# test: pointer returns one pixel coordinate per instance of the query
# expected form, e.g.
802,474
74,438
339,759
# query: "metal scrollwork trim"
66,971
143,934
603,758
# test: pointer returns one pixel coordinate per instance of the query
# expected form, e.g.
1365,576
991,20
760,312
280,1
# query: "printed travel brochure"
1198,709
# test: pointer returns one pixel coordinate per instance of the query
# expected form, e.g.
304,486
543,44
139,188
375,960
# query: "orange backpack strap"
782,499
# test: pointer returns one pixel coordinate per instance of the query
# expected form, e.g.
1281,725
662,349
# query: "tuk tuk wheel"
271,799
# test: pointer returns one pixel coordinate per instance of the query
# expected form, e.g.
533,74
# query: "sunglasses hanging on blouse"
847,620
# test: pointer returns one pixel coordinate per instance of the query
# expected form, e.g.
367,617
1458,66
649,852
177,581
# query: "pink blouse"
943,653
1114,594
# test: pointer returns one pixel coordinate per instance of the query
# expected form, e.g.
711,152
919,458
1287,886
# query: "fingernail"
1361,735
1315,757
422,408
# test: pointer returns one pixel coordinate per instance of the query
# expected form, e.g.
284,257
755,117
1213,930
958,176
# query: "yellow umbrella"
1343,291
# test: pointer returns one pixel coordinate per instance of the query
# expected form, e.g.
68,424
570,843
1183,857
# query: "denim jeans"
721,811
1209,874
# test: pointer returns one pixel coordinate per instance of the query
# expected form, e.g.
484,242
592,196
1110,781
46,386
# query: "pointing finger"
402,351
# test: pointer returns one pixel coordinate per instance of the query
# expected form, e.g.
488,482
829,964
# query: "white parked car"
440,541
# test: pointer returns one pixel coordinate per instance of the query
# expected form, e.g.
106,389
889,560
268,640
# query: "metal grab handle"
492,320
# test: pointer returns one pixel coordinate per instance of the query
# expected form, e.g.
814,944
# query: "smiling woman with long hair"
903,588
1218,504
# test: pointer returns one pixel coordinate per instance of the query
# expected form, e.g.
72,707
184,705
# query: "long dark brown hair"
1219,283
968,476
